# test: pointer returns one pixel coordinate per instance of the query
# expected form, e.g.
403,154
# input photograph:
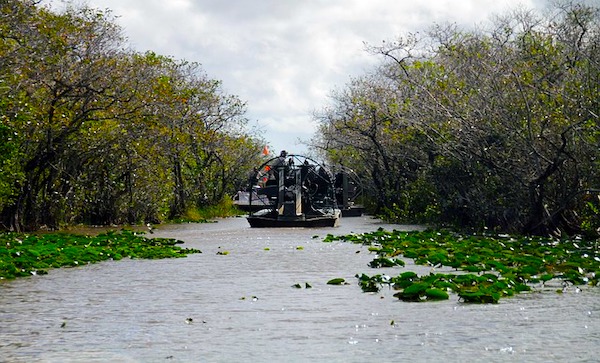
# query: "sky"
284,58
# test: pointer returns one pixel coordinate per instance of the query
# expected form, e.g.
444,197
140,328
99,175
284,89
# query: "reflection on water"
241,306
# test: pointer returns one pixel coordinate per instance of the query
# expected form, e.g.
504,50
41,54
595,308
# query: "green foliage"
590,217
93,133
223,209
26,255
493,266
493,129
11,174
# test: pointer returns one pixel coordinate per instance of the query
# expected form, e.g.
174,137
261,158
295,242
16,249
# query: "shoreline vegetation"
494,125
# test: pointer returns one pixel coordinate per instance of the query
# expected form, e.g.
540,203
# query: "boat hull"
267,222
352,212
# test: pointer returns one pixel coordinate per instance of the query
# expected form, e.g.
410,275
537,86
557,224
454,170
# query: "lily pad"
436,294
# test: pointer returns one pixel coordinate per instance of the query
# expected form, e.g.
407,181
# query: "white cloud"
285,57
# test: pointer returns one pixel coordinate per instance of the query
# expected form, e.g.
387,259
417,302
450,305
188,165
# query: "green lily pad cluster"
491,267
25,255
337,281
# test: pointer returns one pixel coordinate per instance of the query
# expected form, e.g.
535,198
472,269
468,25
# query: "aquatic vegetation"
386,262
488,267
25,255
336,281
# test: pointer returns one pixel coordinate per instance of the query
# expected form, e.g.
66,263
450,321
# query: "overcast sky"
284,57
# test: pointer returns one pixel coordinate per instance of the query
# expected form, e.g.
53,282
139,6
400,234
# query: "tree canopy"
491,128
95,133
496,127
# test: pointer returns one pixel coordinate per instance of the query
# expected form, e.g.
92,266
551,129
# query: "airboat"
292,191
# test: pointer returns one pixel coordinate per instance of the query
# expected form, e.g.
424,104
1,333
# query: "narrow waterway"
236,302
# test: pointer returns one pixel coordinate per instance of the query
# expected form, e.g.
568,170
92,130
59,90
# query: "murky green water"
235,302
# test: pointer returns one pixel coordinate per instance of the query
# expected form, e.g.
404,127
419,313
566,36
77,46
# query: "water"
241,306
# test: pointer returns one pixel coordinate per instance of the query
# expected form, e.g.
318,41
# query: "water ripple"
242,306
